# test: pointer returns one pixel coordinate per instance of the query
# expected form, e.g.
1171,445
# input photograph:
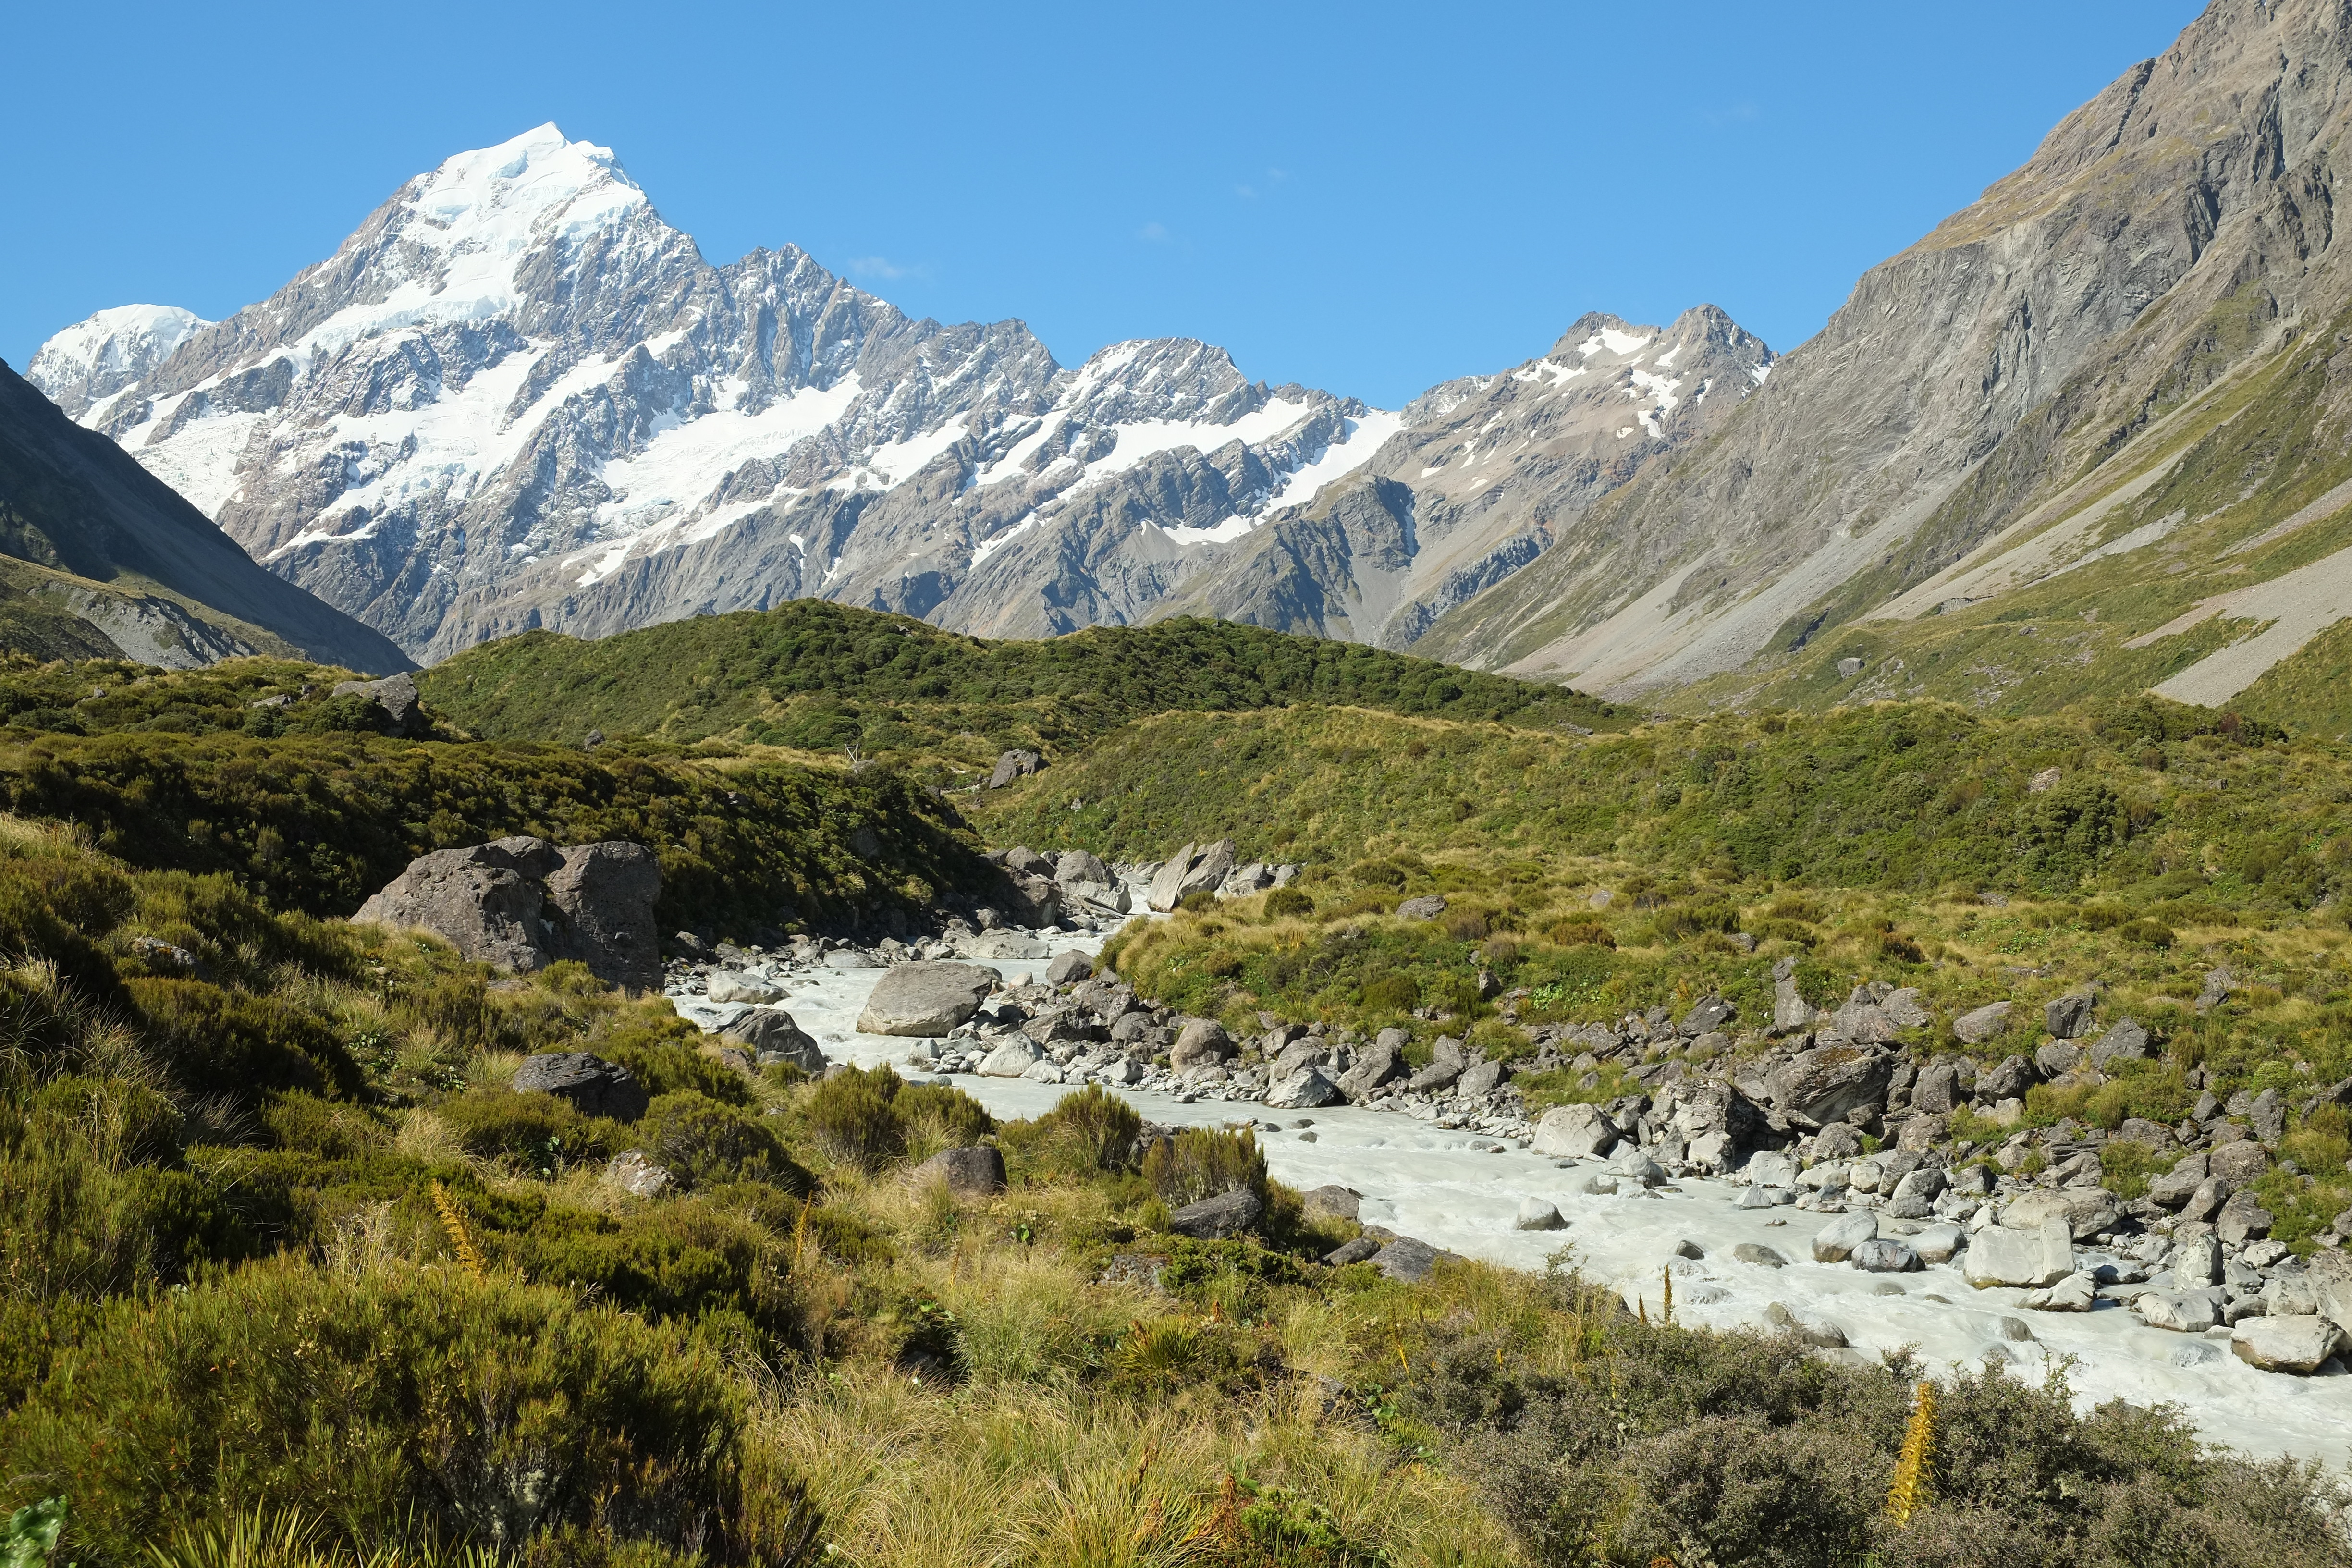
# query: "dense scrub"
2178,803
318,822
818,676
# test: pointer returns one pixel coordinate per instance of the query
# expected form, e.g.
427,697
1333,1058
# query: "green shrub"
1285,903
1088,1131
541,1132
935,1116
422,1393
330,1130
220,1042
703,1141
852,1117
1393,993
1202,1161
1580,930
662,1057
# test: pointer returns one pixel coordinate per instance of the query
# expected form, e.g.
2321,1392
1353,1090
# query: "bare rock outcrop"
521,903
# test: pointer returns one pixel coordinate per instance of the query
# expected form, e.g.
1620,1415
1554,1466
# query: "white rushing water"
1461,1191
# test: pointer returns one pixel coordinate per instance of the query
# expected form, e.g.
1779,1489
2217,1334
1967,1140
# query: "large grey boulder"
1379,1063
2075,1293
1791,1014
1070,968
929,997
1196,868
1835,1242
602,897
2126,1042
1822,1085
1575,1132
1226,1215
1427,907
2069,1017
2240,1163
1407,1258
2003,1255
484,900
727,985
593,1086
1014,1058
2242,1219
1201,1042
1978,1025
1013,765
1332,1203
1306,1089
1437,1075
2298,1345
1883,1254
771,1035
521,904
1481,1078
2010,1081
396,698
2180,1311
975,1171
2086,1211
1538,1213
1079,867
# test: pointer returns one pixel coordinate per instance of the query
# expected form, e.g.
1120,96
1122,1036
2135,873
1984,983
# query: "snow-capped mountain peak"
92,360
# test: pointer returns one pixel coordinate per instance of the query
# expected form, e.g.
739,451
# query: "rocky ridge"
515,397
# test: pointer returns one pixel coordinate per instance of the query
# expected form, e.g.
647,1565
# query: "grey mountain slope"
2162,234
139,565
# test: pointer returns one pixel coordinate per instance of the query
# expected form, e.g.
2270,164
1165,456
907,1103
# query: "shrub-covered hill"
2158,800
291,1274
819,676
308,805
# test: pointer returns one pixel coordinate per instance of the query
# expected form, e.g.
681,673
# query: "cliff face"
2171,233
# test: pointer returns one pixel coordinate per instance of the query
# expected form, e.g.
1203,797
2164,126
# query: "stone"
730,986
1483,1077
1306,1051
593,1086
1014,1058
1838,1140
1201,1042
993,944
2004,1254
1332,1203
1195,868
1070,968
1596,1186
2206,1202
1791,1014
2240,1163
1712,1153
486,902
2127,1041
1364,1249
2296,1344
1827,1336
1013,765
974,1172
1848,667
1536,1214
1939,1242
2242,1219
1882,1255
1937,1089
1710,1013
2074,1293
1076,868
2178,1185
2086,1211
1045,1071
1575,1132
1034,900
2009,1081
845,958
2068,1017
1630,1163
1771,1168
1406,1258
771,1035
1759,1255
1904,1008
1981,1024
2291,1295
1427,907
1306,1090
1836,1240
1915,1194
2180,1312
927,997
1822,1085
1766,1197
1435,1076
635,1174
1376,1065
2154,1135
396,699
1226,1215
2053,1058
2331,1287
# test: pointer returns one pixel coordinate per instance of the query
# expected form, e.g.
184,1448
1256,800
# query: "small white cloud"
883,267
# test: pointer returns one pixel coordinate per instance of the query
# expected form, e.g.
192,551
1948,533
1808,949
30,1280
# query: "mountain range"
2086,433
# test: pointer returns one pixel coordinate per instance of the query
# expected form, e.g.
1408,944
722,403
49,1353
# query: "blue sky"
1369,198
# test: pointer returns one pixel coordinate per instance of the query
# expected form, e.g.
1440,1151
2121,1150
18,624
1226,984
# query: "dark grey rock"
593,1086
974,1172
772,1035
1226,1215
2069,1017
1070,968
1014,764
1360,1250
1407,1258
396,697
1427,907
